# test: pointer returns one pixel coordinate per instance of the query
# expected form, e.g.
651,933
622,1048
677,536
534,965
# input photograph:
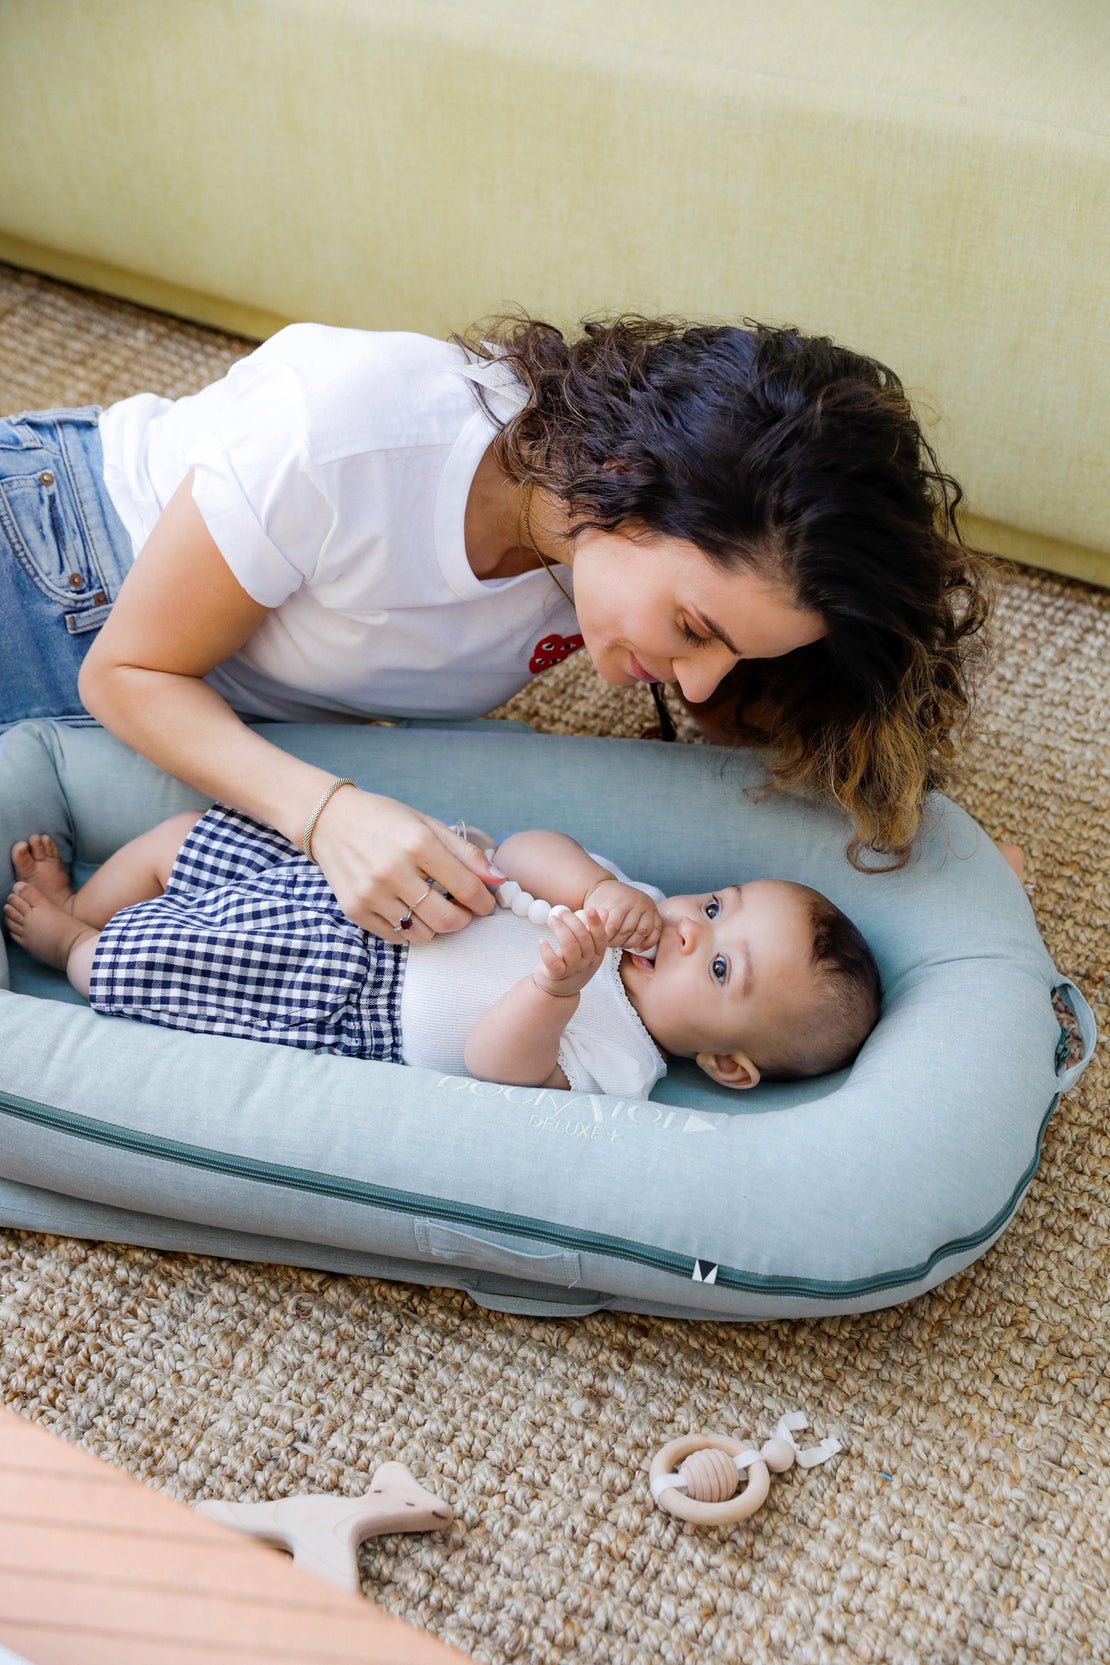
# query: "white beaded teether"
510,895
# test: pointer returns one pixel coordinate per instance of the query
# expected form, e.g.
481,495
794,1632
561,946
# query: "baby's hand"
631,916
567,964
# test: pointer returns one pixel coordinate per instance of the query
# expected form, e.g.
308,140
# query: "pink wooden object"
97,1569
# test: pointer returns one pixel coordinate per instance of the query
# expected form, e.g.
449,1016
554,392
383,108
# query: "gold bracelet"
310,824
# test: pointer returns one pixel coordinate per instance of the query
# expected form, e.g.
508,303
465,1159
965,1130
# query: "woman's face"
655,609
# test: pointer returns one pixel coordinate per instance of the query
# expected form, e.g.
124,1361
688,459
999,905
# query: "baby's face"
731,968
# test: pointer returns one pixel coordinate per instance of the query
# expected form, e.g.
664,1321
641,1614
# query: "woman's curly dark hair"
787,455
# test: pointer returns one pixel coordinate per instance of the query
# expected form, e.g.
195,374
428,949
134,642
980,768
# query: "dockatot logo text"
579,1114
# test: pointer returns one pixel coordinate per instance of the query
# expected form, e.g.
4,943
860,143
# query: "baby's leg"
52,934
136,873
61,926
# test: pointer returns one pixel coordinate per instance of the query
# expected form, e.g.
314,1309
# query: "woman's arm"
180,613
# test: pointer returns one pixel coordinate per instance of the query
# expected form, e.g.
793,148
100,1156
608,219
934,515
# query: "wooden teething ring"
676,1502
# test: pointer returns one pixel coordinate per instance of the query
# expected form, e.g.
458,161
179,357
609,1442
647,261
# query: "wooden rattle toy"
323,1532
698,1476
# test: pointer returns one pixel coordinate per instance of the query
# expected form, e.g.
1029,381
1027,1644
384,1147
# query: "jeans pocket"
44,535
16,434
25,430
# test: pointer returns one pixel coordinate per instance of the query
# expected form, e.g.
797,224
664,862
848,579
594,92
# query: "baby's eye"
712,908
719,968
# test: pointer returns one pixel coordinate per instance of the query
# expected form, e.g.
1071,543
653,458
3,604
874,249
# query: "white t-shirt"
453,980
332,468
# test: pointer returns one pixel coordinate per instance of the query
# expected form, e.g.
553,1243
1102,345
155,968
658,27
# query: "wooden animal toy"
323,1532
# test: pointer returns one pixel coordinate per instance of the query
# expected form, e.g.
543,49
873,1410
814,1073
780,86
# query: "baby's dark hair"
846,1009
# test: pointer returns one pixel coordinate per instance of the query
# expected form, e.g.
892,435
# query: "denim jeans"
64,552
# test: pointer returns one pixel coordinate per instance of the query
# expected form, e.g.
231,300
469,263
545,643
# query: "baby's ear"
729,1069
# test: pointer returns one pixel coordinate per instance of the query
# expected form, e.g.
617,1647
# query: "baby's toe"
43,847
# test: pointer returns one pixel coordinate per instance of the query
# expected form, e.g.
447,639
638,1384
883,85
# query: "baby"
217,923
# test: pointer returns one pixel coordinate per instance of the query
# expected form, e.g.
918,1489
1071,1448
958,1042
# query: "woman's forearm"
179,613
186,728
378,856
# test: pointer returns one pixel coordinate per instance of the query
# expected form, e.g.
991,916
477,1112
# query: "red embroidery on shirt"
552,651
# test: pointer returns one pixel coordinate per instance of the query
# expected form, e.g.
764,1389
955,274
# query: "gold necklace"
526,527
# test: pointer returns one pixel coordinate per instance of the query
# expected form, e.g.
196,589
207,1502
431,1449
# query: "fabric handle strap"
1088,1033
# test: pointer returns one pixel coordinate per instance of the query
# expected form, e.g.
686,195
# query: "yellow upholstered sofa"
929,183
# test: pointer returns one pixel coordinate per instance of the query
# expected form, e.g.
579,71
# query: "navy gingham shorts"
248,940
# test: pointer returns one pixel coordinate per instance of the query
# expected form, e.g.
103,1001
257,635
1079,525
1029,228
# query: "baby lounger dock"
837,1195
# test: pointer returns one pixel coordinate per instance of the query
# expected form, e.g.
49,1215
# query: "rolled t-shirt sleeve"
255,484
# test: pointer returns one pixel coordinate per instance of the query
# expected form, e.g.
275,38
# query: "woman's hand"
381,859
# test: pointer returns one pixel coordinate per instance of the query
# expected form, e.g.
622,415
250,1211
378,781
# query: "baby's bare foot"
37,862
41,927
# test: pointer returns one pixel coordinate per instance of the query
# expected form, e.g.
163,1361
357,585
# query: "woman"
355,524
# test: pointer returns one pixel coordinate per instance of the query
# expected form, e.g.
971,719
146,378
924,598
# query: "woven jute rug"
967,1518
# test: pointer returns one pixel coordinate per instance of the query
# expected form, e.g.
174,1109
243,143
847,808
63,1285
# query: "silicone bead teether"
525,906
534,908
